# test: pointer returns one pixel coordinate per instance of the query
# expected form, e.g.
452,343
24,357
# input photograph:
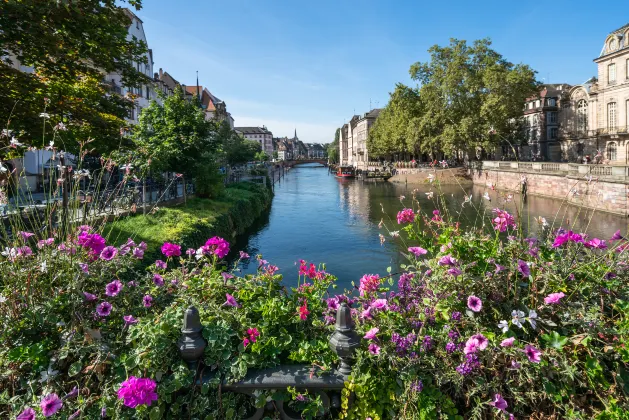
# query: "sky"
310,66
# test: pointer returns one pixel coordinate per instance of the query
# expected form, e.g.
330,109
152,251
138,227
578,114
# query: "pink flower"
191,251
371,334
447,260
129,320
27,414
112,289
171,250
89,297
553,298
475,343
616,236
532,353
499,402
243,255
26,235
569,236
108,253
303,311
503,220
137,391
595,244
218,246
231,301
474,303
380,304
369,283
507,342
405,216
245,342
374,349
50,405
103,309
482,341
417,251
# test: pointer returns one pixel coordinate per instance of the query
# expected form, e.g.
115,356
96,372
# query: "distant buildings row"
353,140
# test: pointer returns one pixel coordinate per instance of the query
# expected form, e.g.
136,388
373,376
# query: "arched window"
611,151
582,116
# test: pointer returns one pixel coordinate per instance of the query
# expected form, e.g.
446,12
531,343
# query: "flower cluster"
137,391
503,220
405,216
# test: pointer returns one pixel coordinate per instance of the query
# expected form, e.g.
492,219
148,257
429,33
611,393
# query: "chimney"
161,73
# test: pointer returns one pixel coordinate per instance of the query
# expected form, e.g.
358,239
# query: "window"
147,92
552,118
611,73
582,116
537,103
611,151
627,69
131,114
552,102
553,133
137,24
611,115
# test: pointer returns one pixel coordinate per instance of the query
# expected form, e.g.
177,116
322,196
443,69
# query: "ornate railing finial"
344,340
191,344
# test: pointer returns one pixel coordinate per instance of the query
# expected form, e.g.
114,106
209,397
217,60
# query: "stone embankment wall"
601,193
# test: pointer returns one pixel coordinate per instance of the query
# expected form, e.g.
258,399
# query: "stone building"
259,134
353,139
214,108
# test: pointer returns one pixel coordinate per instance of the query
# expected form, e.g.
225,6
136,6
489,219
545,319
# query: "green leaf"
75,368
555,340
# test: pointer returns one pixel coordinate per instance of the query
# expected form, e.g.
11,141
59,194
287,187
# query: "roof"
208,100
622,41
373,113
252,130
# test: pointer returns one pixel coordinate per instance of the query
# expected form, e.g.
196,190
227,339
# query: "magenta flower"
103,309
499,402
595,244
112,289
227,276
447,260
569,236
553,298
405,216
50,405
160,264
137,391
138,253
472,345
417,251
474,303
253,334
218,246
85,229
532,353
158,280
481,340
243,255
616,236
371,334
108,253
26,235
245,342
42,243
507,342
129,320
380,304
523,268
27,414
231,301
374,349
369,283
93,241
171,250
147,301
89,297
503,220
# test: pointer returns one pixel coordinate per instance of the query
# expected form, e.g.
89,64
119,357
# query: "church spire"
295,134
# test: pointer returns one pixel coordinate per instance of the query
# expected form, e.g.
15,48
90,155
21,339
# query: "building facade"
260,134
214,108
353,140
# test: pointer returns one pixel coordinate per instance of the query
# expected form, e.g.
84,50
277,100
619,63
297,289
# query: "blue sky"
312,65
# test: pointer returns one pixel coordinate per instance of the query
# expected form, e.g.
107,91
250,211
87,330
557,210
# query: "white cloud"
307,132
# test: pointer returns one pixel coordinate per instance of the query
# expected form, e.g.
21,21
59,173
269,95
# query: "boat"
345,172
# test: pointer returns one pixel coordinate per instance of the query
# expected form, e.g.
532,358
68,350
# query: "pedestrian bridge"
323,162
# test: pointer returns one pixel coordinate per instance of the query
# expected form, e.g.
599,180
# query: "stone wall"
599,193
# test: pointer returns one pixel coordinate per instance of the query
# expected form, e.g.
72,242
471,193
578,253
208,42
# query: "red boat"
345,172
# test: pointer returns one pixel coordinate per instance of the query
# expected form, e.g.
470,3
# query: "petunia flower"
417,251
160,264
523,268
517,317
50,405
158,280
231,301
507,342
371,334
147,301
129,320
532,317
534,355
103,309
474,303
89,297
553,298
243,255
374,349
499,402
504,326
27,414
113,289
108,253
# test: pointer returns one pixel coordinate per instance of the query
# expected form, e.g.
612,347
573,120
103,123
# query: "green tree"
235,148
261,156
332,149
70,46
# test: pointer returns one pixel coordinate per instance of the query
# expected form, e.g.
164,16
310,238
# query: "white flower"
10,253
6,133
504,326
3,169
395,233
486,196
517,317
48,374
444,163
430,195
431,178
532,318
82,173
2,299
61,127
44,267
542,221
44,115
199,253
509,197
50,145
15,143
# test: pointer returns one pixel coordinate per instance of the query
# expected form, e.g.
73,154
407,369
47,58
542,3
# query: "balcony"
612,131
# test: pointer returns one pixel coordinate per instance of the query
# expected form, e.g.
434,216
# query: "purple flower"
379,304
515,365
27,414
231,301
103,309
112,289
371,334
499,402
218,246
595,244
147,301
72,394
26,235
142,246
93,241
553,298
417,251
474,303
137,391
227,276
171,250
374,349
451,347
507,342
456,316
616,236
89,297
191,251
475,343
158,280
75,415
532,353
447,260
243,255
138,253
455,271
50,405
84,268
417,386
160,264
129,320
108,253
523,268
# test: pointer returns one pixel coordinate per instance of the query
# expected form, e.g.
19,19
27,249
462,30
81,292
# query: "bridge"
323,162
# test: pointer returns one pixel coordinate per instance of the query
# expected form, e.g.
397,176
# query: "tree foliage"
333,148
70,46
235,148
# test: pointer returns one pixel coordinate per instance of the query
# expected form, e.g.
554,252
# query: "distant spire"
295,132
198,95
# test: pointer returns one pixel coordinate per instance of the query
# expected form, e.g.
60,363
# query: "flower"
486,196
517,317
499,402
137,391
475,343
417,386
160,264
103,309
171,250
50,404
553,298
504,326
379,304
89,297
92,241
507,342
84,268
108,253
447,260
138,253
147,301
595,244
158,280
112,289
405,216
456,316
563,237
417,251
243,255
503,220
523,268
369,283
455,271
27,414
532,353
374,349
303,311
48,374
371,334
245,342
26,235
44,115
430,195
474,303
72,394
218,246
253,334
74,415
532,317
129,320
616,236
231,301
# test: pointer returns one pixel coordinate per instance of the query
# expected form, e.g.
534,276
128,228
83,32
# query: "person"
587,159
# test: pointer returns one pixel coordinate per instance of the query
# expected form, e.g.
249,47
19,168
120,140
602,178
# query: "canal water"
322,219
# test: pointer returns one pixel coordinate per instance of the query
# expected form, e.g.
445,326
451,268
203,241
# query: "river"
321,219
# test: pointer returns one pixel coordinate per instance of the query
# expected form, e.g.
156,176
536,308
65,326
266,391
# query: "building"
214,108
315,151
353,139
259,134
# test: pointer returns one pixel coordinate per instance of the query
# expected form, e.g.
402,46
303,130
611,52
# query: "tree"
261,156
333,148
471,96
70,45
235,148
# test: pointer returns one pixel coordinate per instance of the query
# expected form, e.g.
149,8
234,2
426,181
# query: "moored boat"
345,172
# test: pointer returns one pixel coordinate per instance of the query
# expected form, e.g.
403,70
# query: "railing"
610,171
328,385
549,167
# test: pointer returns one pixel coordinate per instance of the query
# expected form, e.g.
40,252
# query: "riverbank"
452,176
192,223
